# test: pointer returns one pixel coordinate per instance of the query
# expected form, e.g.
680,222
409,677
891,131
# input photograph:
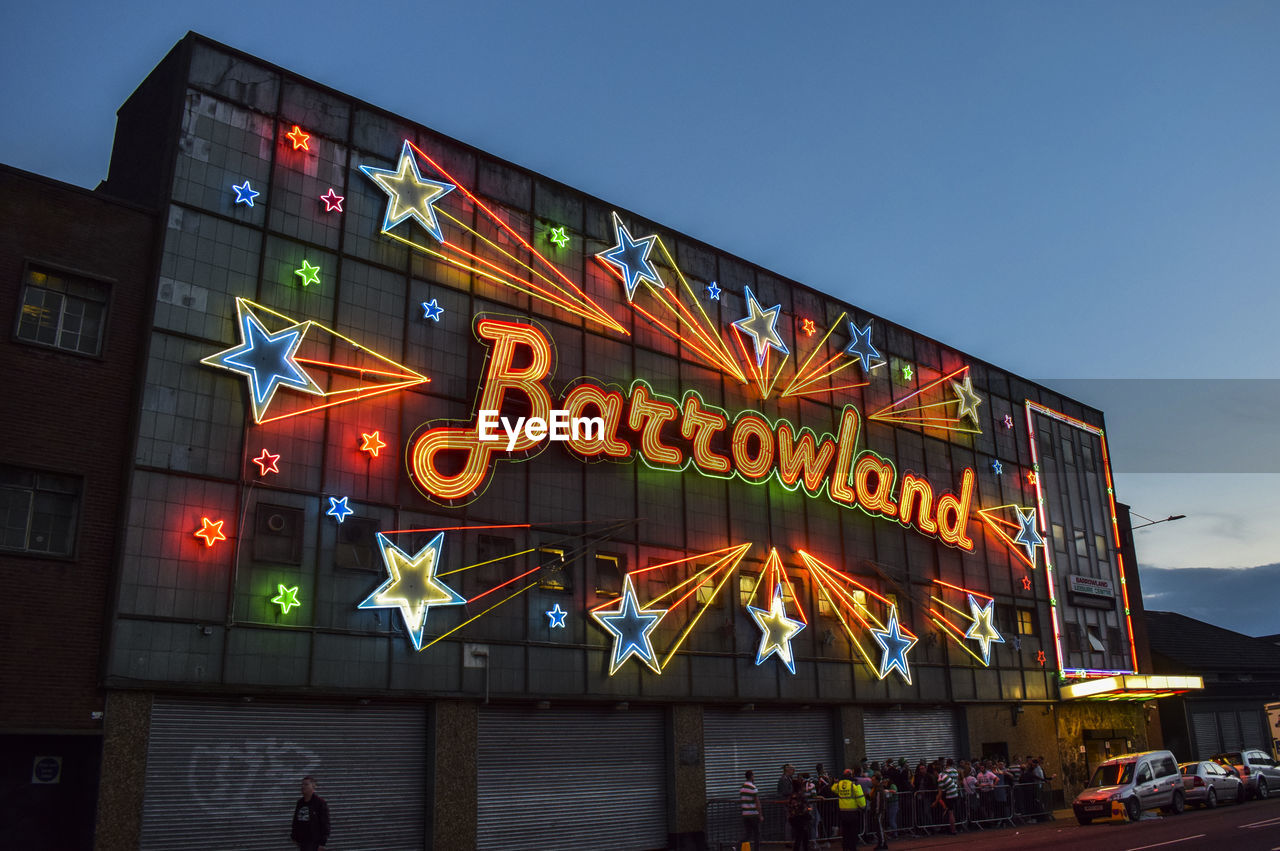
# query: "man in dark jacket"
310,819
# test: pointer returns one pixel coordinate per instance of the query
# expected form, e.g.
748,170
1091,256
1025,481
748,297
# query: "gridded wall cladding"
388,350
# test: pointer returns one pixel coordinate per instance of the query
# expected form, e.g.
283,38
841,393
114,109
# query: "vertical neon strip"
1048,559
1115,532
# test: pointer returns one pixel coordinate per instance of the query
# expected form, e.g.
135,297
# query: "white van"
1140,781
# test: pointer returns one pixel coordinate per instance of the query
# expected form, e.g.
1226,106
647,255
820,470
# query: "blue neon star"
339,509
432,310
557,616
996,466
267,360
895,645
631,627
762,325
1027,535
409,194
413,585
713,290
245,194
861,347
982,628
631,257
776,631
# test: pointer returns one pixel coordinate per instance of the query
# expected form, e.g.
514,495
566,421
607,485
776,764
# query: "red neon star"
1031,477
808,327
210,531
1026,583
1040,658
372,444
267,463
298,138
332,201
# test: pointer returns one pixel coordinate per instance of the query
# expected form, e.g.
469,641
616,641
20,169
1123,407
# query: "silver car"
1138,781
1256,767
1207,783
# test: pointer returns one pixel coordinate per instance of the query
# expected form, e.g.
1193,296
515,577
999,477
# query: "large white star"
412,586
982,629
762,325
969,400
409,194
776,631
631,628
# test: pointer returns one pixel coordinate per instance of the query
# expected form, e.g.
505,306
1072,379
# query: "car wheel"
1262,789
1133,808
1177,805
1084,819
1212,800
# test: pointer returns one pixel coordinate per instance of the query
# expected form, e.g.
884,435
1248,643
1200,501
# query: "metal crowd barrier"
913,813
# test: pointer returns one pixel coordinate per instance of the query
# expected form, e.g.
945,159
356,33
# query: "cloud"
1242,599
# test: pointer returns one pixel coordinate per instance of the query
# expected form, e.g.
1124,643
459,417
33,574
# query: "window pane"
40,311
15,506
52,520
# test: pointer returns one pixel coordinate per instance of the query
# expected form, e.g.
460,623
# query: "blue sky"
1071,191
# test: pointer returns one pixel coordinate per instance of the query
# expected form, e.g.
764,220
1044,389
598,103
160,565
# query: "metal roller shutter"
1252,733
613,796
1204,725
913,734
762,741
226,774
1230,726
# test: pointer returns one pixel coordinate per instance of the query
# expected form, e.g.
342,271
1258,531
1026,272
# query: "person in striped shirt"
949,792
752,815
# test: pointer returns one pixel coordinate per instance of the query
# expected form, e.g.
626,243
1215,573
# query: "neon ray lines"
776,628
717,573
370,379
997,524
537,277
847,598
979,615
694,330
802,382
932,414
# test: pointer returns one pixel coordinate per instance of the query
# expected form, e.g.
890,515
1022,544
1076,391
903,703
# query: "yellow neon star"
413,587
969,400
409,194
982,629
372,444
776,631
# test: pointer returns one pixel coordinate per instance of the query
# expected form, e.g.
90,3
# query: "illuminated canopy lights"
631,258
861,347
409,194
631,628
245,194
210,531
1131,687
412,586
267,360
762,325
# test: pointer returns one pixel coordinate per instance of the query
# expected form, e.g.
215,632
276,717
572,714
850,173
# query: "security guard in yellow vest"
853,802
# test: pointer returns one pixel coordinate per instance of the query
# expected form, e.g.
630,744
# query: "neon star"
432,310
298,138
982,629
895,644
266,360
308,273
211,531
776,631
286,599
409,194
969,401
332,201
996,466
631,628
1040,657
762,325
412,586
1026,583
339,509
267,463
558,236
1008,421
1031,477
807,326
1027,534
631,258
713,291
861,347
907,372
372,443
245,194
557,616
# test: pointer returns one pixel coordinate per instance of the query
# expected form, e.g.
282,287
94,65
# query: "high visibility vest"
850,794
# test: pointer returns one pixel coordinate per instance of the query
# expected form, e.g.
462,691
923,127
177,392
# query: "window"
357,545
277,534
1059,538
857,597
61,310
1100,543
608,575
38,511
1026,622
1082,548
555,574
746,587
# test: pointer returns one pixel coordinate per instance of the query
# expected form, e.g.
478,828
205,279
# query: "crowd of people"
878,800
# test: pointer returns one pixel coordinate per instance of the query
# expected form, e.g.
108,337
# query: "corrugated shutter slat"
763,741
913,734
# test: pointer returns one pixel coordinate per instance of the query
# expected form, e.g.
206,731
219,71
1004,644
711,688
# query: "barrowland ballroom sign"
519,413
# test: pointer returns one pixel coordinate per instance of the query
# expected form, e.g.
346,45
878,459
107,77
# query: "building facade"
473,495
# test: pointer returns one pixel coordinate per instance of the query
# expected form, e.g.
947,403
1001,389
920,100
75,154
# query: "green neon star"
907,372
308,273
286,599
558,236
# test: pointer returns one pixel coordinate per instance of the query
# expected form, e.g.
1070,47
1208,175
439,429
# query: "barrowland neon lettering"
453,463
